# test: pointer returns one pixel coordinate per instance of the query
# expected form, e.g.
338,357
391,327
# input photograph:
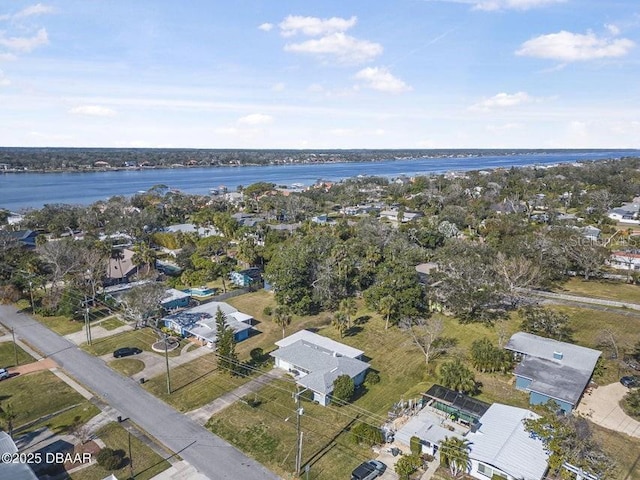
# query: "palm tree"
456,376
144,256
340,322
388,307
349,308
454,452
282,317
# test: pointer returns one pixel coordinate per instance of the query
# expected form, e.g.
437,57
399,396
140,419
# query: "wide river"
20,191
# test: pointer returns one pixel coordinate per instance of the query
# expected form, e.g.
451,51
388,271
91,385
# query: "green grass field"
146,463
61,325
605,289
37,394
8,358
111,323
127,366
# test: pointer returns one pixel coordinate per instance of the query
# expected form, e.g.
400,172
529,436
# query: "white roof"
574,356
320,341
425,426
172,294
503,442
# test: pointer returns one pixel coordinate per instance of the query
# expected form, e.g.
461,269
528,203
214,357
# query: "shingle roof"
322,342
502,441
321,365
14,471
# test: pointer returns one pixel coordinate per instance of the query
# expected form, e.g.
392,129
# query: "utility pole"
31,294
166,359
299,412
15,346
130,457
87,324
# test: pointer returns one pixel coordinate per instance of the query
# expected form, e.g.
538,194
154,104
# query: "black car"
126,351
630,382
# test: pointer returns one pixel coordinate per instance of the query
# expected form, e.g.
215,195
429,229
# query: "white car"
4,373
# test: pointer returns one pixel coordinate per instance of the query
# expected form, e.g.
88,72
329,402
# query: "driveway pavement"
209,454
602,407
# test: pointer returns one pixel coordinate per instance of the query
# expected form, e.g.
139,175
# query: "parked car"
368,470
4,373
631,381
126,352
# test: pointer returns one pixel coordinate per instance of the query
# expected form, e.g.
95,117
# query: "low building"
316,362
627,213
552,370
629,260
186,228
396,216
120,268
456,405
26,238
174,299
200,322
247,277
501,447
13,470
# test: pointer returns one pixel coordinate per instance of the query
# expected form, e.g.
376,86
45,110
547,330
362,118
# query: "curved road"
209,454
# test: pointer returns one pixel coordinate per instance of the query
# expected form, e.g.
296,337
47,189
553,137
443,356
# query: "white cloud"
93,111
492,5
278,87
344,48
7,57
612,29
314,26
25,44
37,9
266,27
4,81
256,119
378,78
571,47
503,100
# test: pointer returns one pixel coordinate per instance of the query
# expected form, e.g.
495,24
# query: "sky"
316,74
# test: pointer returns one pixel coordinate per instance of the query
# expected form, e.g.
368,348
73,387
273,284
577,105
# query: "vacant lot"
127,366
606,289
60,324
8,357
37,394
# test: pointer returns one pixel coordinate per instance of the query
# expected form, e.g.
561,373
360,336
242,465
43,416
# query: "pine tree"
226,345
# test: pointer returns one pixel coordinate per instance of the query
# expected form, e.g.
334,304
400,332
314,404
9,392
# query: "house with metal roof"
316,362
456,405
552,370
501,447
200,322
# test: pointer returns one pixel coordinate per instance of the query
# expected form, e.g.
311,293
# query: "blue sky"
320,73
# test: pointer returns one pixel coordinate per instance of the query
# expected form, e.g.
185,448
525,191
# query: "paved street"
209,454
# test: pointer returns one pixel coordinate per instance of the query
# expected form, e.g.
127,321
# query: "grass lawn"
146,463
60,324
65,421
194,384
8,358
625,450
127,366
606,289
142,338
111,323
37,394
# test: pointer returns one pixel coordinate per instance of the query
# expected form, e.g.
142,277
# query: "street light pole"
166,359
299,412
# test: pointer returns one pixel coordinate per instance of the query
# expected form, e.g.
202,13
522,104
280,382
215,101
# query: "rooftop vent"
557,355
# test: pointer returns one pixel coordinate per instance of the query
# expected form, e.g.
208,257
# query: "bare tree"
426,334
517,272
142,302
608,339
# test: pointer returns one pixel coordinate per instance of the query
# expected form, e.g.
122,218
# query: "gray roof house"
501,446
14,471
316,362
552,370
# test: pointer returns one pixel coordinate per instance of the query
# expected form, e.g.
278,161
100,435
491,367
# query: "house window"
485,470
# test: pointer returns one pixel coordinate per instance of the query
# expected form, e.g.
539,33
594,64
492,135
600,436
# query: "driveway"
209,454
602,407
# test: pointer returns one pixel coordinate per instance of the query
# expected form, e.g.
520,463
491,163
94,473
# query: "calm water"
33,190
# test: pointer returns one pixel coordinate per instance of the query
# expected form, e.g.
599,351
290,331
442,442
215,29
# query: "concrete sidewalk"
203,414
96,332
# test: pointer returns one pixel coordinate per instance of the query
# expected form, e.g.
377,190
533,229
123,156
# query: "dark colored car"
368,470
630,382
126,352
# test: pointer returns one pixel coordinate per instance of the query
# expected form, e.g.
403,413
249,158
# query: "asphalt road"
209,454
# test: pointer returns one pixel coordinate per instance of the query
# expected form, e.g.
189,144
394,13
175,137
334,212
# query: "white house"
625,260
316,362
501,447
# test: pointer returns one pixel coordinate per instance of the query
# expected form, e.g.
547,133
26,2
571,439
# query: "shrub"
365,434
267,311
407,464
415,446
372,378
110,459
343,388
